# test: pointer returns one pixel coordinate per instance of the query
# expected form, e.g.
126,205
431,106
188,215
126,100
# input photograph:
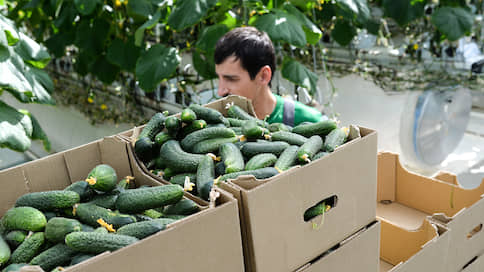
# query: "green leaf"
313,33
31,52
91,38
343,32
204,64
281,26
453,22
15,128
404,11
299,74
12,40
11,33
104,70
86,7
230,21
155,65
140,10
140,32
189,12
58,42
66,16
209,37
37,131
358,8
4,52
123,54
2,2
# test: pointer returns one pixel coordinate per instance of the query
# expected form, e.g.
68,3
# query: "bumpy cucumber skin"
24,218
309,149
177,159
141,230
193,126
15,237
188,115
183,207
80,258
314,211
212,145
210,115
28,249
48,200
106,178
321,128
82,188
261,173
162,138
138,200
180,178
95,242
14,267
173,124
278,127
234,122
58,227
205,177
143,147
320,155
289,137
107,200
154,125
261,161
4,252
58,255
288,158
232,158
90,213
334,139
192,139
253,148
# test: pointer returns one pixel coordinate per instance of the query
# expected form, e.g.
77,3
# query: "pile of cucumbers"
204,146
60,228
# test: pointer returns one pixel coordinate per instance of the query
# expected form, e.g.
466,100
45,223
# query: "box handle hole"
320,208
474,231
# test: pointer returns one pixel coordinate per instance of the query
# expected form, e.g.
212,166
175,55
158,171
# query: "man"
245,63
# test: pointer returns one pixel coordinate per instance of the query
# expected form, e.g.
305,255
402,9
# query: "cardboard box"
359,252
423,249
406,199
475,265
274,234
206,241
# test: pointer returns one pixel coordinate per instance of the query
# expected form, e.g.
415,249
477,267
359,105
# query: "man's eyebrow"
230,76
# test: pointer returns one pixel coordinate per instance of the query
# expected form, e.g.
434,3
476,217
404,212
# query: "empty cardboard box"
406,199
206,241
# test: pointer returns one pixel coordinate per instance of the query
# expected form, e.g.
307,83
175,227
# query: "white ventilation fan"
433,123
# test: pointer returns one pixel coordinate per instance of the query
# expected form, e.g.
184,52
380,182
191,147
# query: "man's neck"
265,103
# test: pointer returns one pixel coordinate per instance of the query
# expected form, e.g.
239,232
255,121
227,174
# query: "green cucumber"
4,252
235,122
251,130
137,200
107,200
144,149
166,221
103,229
90,213
102,178
219,169
231,157
125,183
188,115
289,137
180,178
49,215
48,200
177,159
14,267
210,115
251,149
335,138
192,139
278,127
212,145
205,177
314,211
141,230
306,152
94,242
154,125
152,213
85,227
260,161
162,138
183,207
80,257
82,188
320,155
168,173
28,249
237,130
237,112
193,126
142,218
24,218
58,255
321,128
58,227
288,158
261,173
15,237
173,125
174,217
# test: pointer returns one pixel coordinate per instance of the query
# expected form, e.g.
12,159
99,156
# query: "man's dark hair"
253,47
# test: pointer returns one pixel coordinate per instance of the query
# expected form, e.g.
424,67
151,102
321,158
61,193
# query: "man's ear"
265,75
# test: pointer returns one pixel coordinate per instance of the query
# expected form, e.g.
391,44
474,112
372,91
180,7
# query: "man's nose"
222,91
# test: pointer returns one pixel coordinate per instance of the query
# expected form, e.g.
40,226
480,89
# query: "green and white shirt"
293,113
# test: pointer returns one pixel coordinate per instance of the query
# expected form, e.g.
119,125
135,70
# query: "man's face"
233,79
